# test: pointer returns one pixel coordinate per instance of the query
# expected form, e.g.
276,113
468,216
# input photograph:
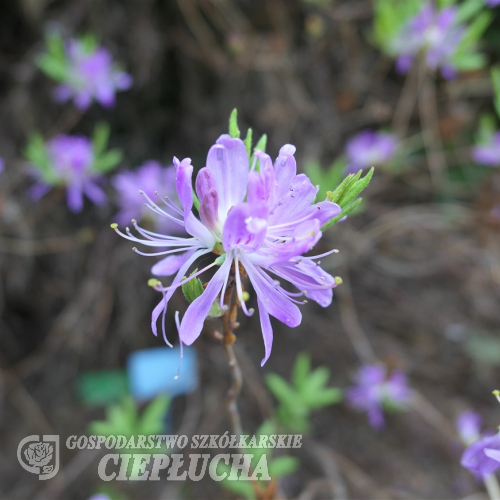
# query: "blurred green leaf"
100,138
495,78
108,161
234,131
248,142
282,466
307,392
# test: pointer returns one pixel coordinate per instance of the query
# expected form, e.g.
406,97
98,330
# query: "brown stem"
228,322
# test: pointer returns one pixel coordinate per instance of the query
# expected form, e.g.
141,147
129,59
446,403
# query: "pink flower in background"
483,456
259,223
489,153
151,177
374,390
90,75
368,149
70,164
468,425
435,34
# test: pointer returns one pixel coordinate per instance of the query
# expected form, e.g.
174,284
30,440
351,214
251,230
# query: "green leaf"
280,388
100,138
317,379
234,131
243,488
495,78
89,43
193,288
346,195
108,161
196,200
151,420
54,68
261,144
301,370
326,397
282,466
469,9
248,142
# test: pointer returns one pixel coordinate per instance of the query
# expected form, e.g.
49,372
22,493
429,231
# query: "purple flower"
482,457
374,391
492,3
70,162
489,153
468,425
2,164
368,149
149,178
258,223
90,75
435,34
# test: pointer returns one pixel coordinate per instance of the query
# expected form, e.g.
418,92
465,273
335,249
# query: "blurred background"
419,258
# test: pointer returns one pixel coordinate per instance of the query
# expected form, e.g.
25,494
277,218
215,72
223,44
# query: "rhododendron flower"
468,425
368,149
483,457
435,34
258,223
489,153
492,3
90,74
374,390
70,163
149,177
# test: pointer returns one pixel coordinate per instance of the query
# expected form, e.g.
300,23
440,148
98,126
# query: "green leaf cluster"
347,194
234,132
104,161
478,17
53,62
306,392
389,17
322,178
278,467
124,419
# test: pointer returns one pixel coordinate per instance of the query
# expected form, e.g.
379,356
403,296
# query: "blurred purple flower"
256,222
436,34
90,75
482,457
2,164
150,178
374,391
468,425
71,160
489,153
492,3
368,149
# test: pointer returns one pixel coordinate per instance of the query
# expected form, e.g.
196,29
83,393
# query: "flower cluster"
74,162
148,177
368,149
435,35
86,72
374,391
259,222
69,163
